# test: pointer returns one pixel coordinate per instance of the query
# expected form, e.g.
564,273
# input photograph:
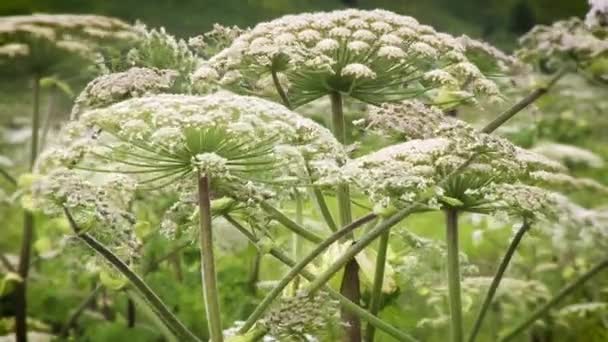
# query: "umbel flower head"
243,144
397,174
373,56
566,42
116,87
41,42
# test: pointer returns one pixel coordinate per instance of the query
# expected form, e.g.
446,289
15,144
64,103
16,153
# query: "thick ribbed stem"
364,241
28,228
297,240
151,298
523,103
354,308
350,286
497,278
210,292
453,265
565,291
297,269
277,85
289,223
374,306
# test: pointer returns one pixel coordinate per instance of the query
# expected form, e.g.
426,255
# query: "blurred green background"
498,21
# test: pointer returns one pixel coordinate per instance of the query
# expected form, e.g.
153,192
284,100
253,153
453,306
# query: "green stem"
453,265
376,296
497,278
210,292
564,292
8,176
323,208
28,229
523,103
290,224
345,302
350,286
361,244
147,311
277,85
152,298
322,246
79,310
297,240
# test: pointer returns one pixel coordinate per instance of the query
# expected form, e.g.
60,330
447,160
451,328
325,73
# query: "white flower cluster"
98,204
48,38
302,314
245,142
569,41
374,56
569,154
135,82
598,14
399,173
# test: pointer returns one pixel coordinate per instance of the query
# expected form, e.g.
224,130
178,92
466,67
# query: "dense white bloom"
384,58
598,13
97,202
565,42
116,87
239,141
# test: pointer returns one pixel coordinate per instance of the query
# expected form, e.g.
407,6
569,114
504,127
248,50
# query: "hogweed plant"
372,56
195,124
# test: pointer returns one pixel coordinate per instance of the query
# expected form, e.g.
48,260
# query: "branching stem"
297,269
345,302
376,297
564,292
152,298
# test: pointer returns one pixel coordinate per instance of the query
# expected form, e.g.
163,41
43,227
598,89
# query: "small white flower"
391,52
357,46
357,70
339,32
365,35
327,44
309,36
424,50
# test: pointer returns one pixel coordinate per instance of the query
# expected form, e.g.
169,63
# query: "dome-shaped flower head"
42,43
243,144
567,42
116,87
441,145
373,56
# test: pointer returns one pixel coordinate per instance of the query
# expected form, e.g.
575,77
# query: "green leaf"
8,283
50,82
452,202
